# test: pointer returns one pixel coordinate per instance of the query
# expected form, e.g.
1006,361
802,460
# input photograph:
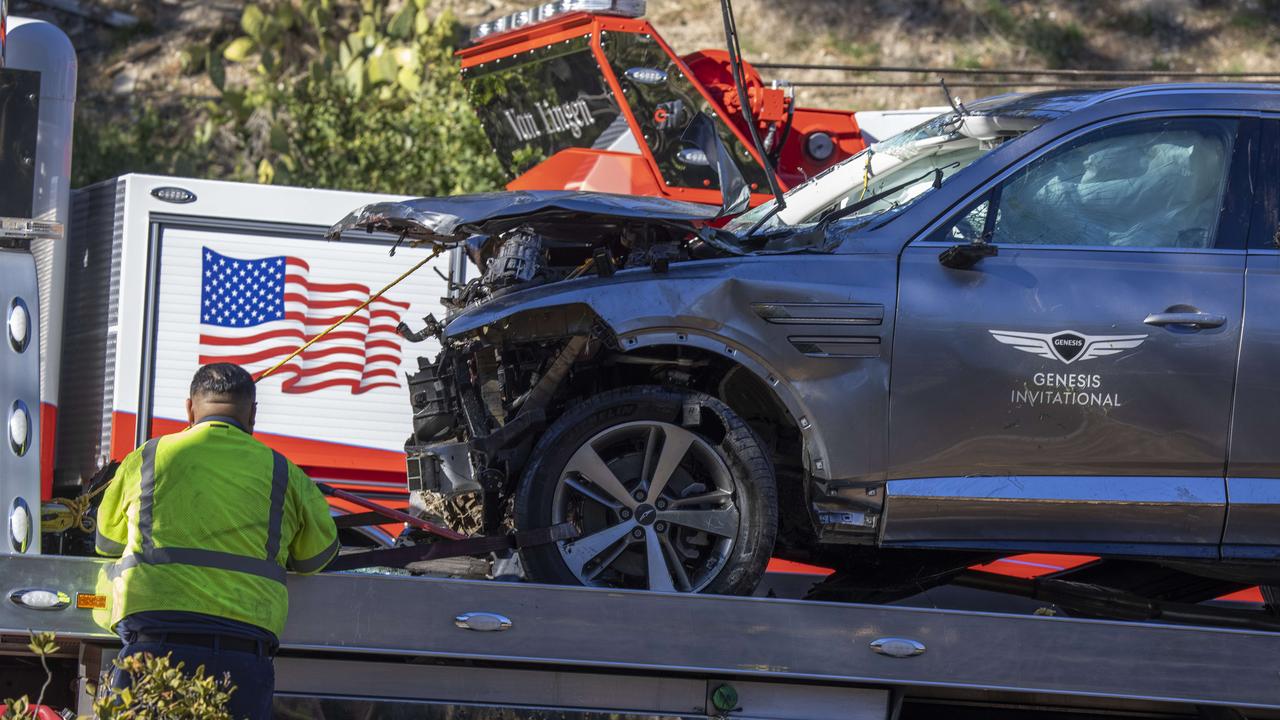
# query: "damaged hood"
453,219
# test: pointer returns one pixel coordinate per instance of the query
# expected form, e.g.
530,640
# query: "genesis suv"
1043,322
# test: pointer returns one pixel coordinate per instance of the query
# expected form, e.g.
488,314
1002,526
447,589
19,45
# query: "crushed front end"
479,406
483,401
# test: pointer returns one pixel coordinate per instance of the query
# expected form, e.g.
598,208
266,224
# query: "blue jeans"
253,674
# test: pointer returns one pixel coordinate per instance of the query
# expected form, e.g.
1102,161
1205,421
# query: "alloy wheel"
656,506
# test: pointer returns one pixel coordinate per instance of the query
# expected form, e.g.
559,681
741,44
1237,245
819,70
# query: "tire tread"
741,575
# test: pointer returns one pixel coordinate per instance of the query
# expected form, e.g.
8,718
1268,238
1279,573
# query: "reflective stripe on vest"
106,545
314,564
151,555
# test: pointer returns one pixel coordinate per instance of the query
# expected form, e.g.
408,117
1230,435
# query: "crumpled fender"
699,304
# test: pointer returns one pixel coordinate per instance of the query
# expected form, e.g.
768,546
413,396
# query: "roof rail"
1163,88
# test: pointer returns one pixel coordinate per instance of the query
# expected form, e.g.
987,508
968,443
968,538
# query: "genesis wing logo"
1068,346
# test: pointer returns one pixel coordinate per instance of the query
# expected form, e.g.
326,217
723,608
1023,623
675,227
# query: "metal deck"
558,629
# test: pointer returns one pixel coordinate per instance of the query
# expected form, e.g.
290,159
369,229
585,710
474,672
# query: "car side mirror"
963,256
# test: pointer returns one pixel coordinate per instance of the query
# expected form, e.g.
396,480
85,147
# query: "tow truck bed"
597,651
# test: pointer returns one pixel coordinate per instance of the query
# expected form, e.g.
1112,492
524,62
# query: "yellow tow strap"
265,373
866,177
60,514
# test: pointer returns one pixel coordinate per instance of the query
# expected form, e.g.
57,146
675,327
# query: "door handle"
1196,320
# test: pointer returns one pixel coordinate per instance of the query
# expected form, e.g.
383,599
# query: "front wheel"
671,490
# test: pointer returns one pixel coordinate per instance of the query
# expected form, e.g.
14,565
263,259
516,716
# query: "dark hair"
225,380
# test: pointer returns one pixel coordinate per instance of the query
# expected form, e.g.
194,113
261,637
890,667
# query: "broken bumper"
444,469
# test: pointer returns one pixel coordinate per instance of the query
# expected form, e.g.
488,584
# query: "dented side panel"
735,308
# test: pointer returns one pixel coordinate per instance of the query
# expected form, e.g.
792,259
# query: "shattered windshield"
887,176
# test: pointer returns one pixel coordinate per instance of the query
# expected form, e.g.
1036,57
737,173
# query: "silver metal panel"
1051,509
746,638
611,694
19,382
95,240
774,701
491,686
40,46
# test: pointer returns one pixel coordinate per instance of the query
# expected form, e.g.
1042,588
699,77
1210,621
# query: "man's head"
223,389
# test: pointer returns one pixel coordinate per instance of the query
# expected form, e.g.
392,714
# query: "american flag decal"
255,312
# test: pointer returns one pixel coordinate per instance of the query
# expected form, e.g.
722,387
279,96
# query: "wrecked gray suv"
1037,323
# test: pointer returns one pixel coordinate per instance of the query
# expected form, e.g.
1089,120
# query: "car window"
1153,183
972,226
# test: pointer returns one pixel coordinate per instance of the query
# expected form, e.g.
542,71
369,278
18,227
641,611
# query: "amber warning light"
547,10
91,601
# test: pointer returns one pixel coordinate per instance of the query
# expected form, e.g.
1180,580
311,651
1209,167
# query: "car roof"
1056,103
1240,88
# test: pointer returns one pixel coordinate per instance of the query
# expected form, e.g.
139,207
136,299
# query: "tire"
712,522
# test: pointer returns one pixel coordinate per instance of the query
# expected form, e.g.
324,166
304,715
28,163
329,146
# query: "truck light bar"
548,10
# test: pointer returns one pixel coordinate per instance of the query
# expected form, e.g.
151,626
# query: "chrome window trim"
1096,248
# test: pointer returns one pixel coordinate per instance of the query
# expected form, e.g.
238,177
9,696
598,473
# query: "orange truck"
576,100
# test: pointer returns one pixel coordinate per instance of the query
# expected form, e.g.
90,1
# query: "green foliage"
366,98
159,690
859,53
17,708
1059,44
321,93
163,690
42,645
968,61
999,17
1140,22
168,140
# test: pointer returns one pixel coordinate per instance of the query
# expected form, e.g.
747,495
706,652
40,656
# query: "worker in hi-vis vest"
205,522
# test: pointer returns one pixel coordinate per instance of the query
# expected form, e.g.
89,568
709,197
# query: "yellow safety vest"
206,521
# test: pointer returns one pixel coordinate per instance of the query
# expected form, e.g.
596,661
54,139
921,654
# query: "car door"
1253,468
1074,391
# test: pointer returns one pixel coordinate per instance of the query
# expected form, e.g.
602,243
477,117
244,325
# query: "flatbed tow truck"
386,644
564,652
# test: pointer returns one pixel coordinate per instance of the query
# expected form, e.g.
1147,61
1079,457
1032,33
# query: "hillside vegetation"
184,92
1157,35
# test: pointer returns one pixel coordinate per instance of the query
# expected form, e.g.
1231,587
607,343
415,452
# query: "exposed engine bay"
480,404
524,255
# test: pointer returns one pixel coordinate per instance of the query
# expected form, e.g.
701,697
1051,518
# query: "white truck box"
144,253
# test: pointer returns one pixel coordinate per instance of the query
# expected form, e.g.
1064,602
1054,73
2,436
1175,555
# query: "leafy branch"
344,94
42,645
